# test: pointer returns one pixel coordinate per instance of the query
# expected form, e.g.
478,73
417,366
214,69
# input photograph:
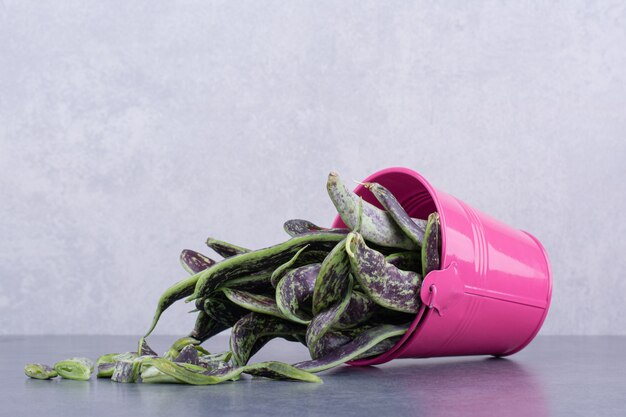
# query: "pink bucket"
493,291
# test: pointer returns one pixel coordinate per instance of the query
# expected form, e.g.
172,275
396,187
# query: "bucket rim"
397,349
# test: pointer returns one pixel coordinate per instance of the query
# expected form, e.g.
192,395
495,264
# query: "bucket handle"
441,288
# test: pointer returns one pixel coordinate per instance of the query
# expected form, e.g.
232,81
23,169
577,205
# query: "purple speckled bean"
332,279
258,282
143,349
324,320
361,344
257,303
284,268
359,310
414,228
431,247
194,262
297,227
301,258
376,225
188,354
380,348
329,342
192,374
222,310
174,293
408,260
294,293
259,260
279,370
385,284
215,361
250,328
225,249
126,370
40,371
206,327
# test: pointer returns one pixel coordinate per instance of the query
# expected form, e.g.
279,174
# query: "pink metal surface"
493,291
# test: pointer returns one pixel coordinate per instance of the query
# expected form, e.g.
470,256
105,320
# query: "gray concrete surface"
132,130
554,376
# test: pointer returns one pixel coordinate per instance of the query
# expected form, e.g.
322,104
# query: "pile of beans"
345,294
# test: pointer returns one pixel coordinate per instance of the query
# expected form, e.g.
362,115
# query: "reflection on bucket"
493,291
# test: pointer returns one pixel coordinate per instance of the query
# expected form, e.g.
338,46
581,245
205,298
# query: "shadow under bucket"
493,291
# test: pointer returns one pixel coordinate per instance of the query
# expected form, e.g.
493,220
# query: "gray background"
131,131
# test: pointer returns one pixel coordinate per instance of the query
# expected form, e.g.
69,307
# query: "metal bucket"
493,291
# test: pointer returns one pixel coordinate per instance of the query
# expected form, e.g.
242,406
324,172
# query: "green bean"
354,332
75,368
325,319
306,258
39,371
206,327
177,374
361,344
329,342
385,284
377,225
152,375
298,227
294,293
201,350
225,249
333,340
192,367
260,342
254,302
408,261
260,281
194,377
127,371
259,260
188,354
105,370
331,278
144,350
105,365
180,344
222,310
222,356
174,293
284,268
359,310
250,328
380,348
344,293
279,370
194,262
414,228
432,243
216,360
